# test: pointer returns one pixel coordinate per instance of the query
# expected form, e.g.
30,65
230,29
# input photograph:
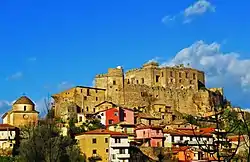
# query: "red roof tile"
138,127
6,126
188,132
104,131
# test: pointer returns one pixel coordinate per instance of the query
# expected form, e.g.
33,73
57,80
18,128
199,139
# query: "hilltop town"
142,113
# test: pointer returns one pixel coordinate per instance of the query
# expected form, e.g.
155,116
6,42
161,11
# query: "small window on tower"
194,76
80,119
24,108
171,74
142,80
114,82
88,92
157,78
180,75
186,74
96,98
137,81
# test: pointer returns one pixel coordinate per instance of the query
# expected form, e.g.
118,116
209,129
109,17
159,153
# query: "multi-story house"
196,138
104,145
119,147
149,135
115,115
9,136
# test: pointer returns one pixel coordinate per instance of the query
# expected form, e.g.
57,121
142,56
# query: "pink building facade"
127,115
151,136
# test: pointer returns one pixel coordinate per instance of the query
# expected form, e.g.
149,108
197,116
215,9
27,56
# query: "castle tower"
22,113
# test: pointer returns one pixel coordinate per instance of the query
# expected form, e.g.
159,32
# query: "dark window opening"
122,151
159,109
85,97
106,140
171,80
194,76
114,82
180,81
157,131
94,140
117,140
96,98
128,81
93,109
186,75
94,151
171,74
124,114
96,91
162,116
24,108
81,90
87,108
137,81
107,150
80,119
142,80
180,75
191,82
88,92
110,121
157,78
161,74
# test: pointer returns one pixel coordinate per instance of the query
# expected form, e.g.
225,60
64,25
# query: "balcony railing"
122,144
123,156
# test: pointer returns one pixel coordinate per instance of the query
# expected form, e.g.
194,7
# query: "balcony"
123,156
124,144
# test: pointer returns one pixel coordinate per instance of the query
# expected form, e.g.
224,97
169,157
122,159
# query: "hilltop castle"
164,92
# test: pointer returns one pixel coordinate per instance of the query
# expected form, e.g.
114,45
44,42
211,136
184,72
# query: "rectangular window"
117,140
137,81
194,76
186,74
157,78
142,80
107,150
171,74
191,82
122,151
24,108
93,109
88,92
113,156
94,140
96,98
114,82
180,81
106,140
161,74
180,75
85,97
162,116
81,90
94,151
124,114
80,119
87,108
159,109
110,121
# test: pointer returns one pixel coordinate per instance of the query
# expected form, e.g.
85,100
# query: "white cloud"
222,69
15,76
65,85
156,59
198,8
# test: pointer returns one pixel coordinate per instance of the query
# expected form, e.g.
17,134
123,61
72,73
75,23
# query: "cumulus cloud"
15,76
222,69
198,8
215,62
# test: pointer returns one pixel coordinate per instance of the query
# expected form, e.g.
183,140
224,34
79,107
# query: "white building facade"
119,148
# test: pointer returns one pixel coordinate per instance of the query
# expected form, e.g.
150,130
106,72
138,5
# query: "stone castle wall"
161,90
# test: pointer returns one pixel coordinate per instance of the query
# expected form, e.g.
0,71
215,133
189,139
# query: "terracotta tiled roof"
6,126
187,132
105,131
24,100
181,148
142,126
146,116
237,138
122,123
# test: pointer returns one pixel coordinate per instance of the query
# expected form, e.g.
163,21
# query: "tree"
44,143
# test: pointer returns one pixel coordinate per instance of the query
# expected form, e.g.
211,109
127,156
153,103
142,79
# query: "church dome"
24,100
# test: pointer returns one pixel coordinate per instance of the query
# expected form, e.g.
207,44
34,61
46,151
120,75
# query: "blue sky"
47,46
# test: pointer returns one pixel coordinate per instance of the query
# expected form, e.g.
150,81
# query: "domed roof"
24,100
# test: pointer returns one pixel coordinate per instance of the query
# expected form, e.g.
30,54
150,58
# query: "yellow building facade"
22,113
95,145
